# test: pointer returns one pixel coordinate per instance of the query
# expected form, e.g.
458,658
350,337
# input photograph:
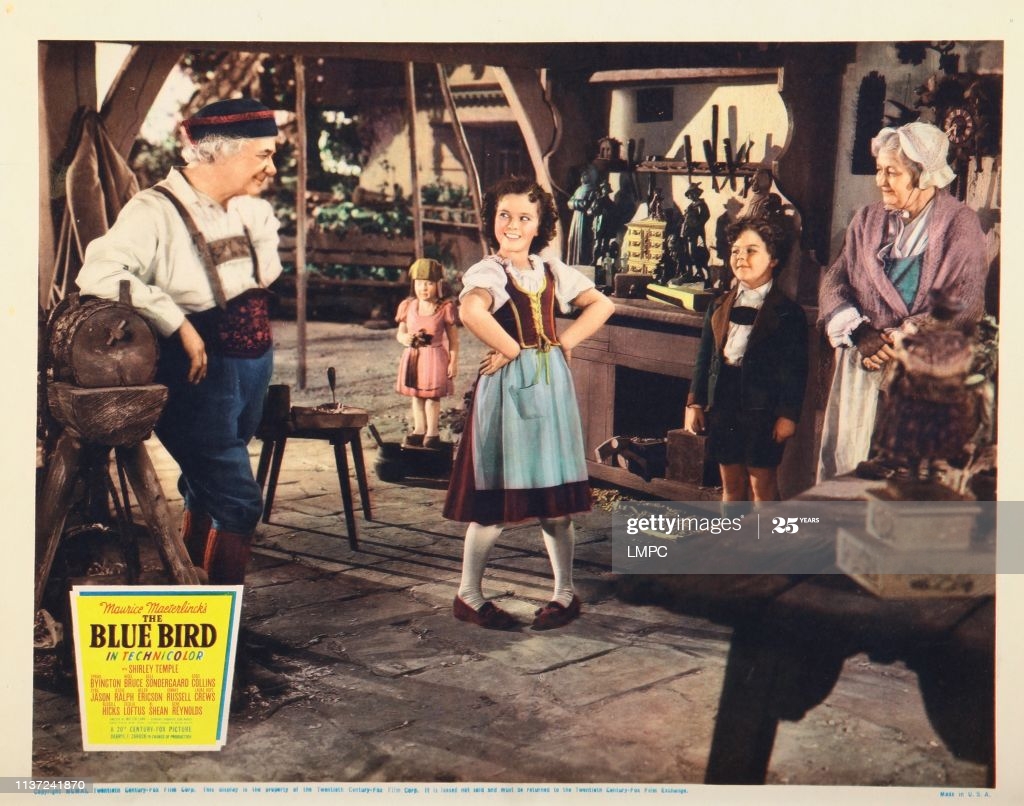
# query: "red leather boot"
195,529
227,554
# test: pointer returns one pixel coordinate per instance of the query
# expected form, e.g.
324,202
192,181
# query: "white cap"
926,145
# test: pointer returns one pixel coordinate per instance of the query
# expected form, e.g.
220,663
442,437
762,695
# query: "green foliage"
152,161
345,271
338,144
335,139
341,217
443,193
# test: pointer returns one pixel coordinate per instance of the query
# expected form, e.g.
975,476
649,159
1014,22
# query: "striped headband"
237,117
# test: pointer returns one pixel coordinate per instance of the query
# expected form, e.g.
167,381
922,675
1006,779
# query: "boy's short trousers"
738,437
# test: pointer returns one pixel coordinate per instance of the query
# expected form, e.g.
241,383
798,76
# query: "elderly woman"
916,239
198,251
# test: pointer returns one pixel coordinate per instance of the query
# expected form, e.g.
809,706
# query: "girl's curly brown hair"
776,238
522,186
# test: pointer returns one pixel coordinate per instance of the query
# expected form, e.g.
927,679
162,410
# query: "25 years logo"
790,526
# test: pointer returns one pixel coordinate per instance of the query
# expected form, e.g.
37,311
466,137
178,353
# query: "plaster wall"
436,155
752,109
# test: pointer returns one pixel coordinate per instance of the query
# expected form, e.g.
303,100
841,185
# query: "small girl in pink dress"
426,327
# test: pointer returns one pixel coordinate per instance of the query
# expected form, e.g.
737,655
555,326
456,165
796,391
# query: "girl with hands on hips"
521,454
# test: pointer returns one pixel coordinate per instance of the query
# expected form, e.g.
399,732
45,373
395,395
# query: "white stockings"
480,540
559,540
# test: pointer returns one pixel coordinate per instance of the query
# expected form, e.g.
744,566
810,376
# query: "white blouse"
489,275
149,246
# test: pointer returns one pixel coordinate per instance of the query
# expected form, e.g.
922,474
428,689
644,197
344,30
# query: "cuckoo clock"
967,106
971,118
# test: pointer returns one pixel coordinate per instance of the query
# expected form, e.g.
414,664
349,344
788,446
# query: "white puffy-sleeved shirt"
150,246
489,274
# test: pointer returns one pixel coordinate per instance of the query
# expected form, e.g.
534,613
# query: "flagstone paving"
351,667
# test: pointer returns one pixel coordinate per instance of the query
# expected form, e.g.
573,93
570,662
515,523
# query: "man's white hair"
207,150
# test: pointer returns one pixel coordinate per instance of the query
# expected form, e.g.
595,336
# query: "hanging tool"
709,155
730,163
743,155
688,156
714,133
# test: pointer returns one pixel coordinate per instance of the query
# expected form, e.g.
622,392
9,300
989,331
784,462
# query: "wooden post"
417,213
472,177
539,122
134,89
67,81
300,222
55,501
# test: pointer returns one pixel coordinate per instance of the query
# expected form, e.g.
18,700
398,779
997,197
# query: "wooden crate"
894,574
631,286
918,524
689,460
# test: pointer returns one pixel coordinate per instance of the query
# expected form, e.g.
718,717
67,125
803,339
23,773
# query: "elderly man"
199,250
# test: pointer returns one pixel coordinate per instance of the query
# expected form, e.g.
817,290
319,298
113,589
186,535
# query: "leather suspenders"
207,251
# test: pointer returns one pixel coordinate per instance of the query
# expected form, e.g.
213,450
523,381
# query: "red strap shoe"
554,615
489,616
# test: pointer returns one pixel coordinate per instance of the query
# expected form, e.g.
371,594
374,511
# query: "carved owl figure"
930,413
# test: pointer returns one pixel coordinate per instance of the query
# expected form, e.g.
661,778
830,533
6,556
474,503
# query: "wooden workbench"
792,635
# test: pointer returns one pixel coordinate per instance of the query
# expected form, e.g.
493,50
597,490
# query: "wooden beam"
67,82
538,121
679,74
521,54
134,90
301,277
472,176
417,213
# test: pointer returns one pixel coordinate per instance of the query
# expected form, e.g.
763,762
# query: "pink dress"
423,371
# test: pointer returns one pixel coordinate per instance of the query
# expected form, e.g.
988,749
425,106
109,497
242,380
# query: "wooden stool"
339,428
97,421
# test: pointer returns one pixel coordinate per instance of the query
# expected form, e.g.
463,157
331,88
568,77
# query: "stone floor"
352,668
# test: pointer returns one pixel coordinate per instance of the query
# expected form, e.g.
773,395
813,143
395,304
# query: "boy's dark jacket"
774,367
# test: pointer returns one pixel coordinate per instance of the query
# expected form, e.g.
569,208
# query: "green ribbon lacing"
543,360
544,344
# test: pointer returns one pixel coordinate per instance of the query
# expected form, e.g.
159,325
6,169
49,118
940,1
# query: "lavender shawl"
954,260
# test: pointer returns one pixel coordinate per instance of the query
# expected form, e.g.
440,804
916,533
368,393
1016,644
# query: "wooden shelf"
439,214
647,310
677,167
437,222
675,75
